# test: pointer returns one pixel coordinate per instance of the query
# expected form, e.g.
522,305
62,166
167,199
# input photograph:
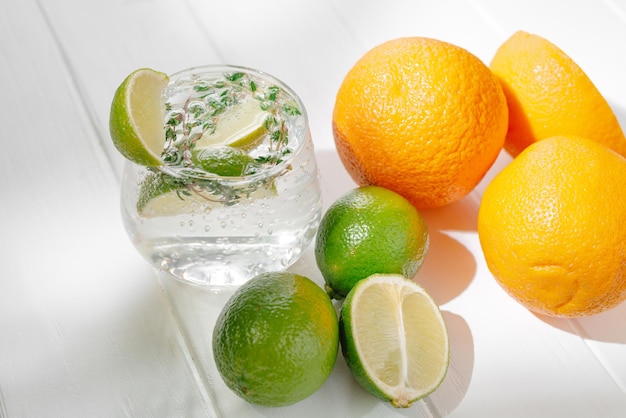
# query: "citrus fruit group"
548,94
394,339
276,339
421,117
369,230
552,226
136,118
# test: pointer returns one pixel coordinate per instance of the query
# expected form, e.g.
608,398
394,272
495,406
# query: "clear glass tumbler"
223,229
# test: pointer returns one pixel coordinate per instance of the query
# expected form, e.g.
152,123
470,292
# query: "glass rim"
268,172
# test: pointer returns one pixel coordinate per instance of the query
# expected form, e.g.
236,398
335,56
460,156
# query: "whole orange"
421,117
548,94
552,226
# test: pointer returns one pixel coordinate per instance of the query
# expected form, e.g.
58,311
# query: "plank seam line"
580,331
3,412
191,355
204,30
186,348
80,92
612,5
489,19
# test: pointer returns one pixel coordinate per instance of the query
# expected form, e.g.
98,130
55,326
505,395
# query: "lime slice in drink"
136,118
158,197
242,126
394,339
223,160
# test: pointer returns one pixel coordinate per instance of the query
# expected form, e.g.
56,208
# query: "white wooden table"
87,329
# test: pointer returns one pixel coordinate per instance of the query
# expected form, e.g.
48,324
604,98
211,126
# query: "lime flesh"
394,339
136,117
242,126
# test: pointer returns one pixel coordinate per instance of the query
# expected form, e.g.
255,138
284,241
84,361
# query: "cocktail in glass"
238,193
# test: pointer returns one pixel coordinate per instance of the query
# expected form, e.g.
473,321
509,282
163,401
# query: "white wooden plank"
104,41
301,43
85,328
452,21
523,365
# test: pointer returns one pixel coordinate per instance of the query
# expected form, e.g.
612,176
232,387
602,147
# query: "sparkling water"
210,230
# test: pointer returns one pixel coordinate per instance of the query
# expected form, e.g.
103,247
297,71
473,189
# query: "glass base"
204,263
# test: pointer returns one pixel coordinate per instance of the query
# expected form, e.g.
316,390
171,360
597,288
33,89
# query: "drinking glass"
210,229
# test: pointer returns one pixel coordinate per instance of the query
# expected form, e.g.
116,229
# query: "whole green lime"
369,230
276,340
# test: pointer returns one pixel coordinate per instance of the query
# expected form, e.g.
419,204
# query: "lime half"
242,126
136,118
394,339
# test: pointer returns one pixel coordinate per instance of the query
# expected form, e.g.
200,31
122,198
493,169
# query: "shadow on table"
461,215
448,269
620,113
606,326
456,383
450,266
334,179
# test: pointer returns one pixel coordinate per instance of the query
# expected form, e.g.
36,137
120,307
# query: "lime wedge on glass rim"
136,118
394,339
